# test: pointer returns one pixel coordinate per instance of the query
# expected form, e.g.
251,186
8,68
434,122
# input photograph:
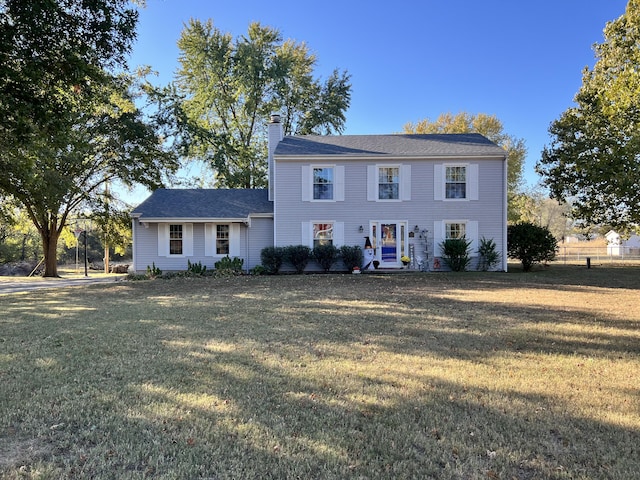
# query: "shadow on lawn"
238,379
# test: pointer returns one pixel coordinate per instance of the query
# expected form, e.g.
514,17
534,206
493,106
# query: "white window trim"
471,233
338,183
210,238
440,181
404,193
307,232
163,240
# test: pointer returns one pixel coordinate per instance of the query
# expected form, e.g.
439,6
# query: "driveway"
9,285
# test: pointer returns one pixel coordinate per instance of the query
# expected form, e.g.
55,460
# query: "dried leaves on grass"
326,376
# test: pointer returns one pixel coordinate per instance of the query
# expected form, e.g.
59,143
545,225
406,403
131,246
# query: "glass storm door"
389,242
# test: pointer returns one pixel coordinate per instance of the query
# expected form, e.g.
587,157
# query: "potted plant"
405,260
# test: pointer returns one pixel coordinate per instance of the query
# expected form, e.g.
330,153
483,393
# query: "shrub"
196,268
489,256
352,256
298,256
229,265
258,270
326,255
272,258
153,272
455,253
530,244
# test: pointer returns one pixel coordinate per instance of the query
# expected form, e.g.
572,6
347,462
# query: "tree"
536,207
102,138
594,157
530,244
225,90
49,49
69,123
489,126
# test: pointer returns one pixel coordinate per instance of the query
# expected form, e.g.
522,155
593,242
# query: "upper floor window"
222,239
388,183
323,183
175,239
322,234
456,182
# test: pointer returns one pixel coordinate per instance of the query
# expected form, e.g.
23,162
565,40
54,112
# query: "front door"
390,242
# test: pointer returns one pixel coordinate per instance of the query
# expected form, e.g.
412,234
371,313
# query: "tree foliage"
594,157
49,49
70,122
103,138
530,244
489,126
225,90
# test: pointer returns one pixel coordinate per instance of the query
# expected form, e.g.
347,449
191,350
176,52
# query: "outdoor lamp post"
86,273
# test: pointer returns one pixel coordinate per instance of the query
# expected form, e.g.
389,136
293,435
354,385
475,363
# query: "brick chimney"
275,135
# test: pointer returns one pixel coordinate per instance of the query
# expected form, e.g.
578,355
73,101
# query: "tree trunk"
50,247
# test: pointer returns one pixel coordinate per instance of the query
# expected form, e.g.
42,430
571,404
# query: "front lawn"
444,376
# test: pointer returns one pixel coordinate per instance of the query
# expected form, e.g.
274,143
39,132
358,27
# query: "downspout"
134,245
505,209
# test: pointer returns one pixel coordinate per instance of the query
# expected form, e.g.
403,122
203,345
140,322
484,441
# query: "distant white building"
616,245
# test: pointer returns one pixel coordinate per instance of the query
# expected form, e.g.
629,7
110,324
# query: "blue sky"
410,60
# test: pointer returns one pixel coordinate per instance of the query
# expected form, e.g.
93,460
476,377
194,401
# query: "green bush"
258,270
298,256
229,265
153,271
326,255
352,256
455,253
272,259
489,257
530,244
196,268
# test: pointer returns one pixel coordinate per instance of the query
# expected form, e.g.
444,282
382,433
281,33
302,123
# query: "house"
617,246
406,194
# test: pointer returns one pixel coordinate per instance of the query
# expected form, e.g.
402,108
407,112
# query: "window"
454,230
322,234
388,183
175,239
456,182
222,239
323,183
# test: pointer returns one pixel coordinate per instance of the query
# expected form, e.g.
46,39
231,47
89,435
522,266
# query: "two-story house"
405,193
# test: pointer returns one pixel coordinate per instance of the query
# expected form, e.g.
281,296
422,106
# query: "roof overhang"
384,157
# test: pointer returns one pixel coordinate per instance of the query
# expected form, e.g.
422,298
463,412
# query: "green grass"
445,376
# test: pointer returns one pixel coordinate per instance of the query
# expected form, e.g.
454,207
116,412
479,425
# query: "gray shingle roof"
452,144
204,203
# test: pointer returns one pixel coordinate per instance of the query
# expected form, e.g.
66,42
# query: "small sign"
77,232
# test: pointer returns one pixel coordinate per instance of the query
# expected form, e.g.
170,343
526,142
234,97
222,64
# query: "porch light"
416,229
361,229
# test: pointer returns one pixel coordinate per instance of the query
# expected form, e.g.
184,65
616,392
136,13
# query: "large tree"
225,90
594,157
70,122
105,137
49,48
489,126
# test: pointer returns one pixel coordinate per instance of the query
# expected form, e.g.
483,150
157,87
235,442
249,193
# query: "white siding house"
406,193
